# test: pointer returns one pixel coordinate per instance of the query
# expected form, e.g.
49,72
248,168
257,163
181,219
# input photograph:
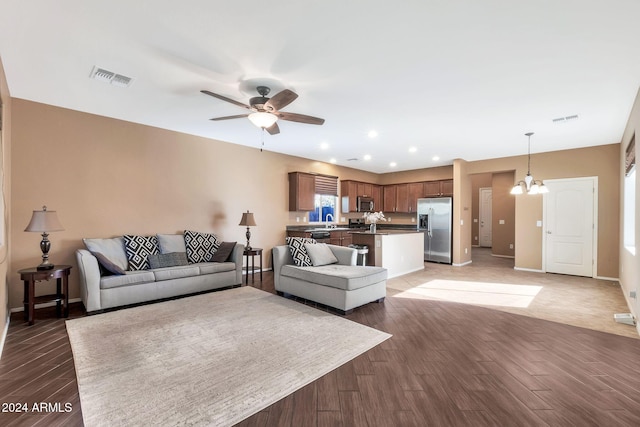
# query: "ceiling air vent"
565,119
107,76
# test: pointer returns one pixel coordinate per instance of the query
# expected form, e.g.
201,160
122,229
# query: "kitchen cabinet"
395,198
340,238
438,188
349,193
416,191
389,198
402,198
336,237
302,191
351,190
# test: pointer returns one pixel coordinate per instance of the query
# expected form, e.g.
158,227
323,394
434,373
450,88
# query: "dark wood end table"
32,275
252,253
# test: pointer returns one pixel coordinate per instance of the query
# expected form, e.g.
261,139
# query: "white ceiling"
452,78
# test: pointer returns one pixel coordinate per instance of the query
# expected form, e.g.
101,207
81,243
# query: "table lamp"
248,221
44,222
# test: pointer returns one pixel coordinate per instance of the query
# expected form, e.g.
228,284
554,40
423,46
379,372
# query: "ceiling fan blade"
280,100
273,129
237,116
300,118
224,98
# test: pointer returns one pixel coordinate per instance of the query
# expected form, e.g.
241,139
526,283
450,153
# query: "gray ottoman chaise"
332,278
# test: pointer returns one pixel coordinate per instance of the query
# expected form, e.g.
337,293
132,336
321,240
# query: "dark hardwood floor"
447,364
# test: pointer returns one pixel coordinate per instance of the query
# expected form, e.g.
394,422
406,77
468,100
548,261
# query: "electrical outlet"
413,220
304,219
297,219
501,222
466,251
510,245
476,238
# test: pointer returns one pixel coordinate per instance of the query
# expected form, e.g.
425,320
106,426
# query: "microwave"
364,204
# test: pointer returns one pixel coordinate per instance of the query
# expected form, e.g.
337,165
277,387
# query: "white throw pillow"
320,254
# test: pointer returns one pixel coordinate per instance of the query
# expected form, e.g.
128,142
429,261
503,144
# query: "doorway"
485,231
570,226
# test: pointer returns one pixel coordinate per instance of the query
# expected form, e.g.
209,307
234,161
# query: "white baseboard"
532,270
463,264
611,279
503,256
4,334
44,304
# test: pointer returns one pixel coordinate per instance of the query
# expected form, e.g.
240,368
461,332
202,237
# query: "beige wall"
482,180
602,161
107,177
630,262
503,210
5,182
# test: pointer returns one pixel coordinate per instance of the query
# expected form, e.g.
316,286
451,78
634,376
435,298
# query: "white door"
485,229
569,232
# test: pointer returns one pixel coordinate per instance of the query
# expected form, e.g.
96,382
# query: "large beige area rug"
212,359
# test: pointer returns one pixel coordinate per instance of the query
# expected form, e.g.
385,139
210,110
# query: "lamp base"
43,267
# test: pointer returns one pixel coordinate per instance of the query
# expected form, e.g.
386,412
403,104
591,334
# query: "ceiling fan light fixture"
262,119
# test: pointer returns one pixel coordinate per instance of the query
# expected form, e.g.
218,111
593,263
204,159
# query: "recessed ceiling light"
333,160
412,149
367,157
393,164
324,145
435,158
373,133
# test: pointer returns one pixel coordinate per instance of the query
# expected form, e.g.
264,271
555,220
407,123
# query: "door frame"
594,237
480,214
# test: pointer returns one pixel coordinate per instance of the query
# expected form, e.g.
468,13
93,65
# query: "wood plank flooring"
447,364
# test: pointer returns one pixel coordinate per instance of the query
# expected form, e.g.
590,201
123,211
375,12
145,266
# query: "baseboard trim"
532,270
4,334
503,256
463,264
611,279
44,304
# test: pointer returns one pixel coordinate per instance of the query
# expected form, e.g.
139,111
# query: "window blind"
630,156
327,185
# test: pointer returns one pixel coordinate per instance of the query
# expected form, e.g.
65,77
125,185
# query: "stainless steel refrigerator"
435,220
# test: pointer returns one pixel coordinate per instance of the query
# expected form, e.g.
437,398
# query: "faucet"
326,224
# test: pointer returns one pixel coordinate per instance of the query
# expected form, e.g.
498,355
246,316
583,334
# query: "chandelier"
529,184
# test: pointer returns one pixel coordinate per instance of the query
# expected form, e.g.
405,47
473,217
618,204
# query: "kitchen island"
400,251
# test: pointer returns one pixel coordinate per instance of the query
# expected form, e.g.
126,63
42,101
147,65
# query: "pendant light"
529,184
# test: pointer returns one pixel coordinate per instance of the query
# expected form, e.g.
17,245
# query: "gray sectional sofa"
106,280
340,284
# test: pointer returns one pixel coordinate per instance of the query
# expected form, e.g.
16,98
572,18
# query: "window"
325,205
629,220
326,199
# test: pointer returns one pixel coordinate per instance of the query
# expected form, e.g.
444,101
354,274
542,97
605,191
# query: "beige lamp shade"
248,220
44,221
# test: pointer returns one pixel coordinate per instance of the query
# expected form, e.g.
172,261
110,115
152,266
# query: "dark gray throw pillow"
172,259
107,264
224,252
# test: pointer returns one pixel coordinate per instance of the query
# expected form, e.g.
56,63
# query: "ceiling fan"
266,111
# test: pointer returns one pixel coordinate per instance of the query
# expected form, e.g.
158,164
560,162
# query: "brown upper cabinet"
351,190
302,191
438,188
416,191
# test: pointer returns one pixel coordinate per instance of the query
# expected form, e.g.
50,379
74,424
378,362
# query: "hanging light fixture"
263,120
529,184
